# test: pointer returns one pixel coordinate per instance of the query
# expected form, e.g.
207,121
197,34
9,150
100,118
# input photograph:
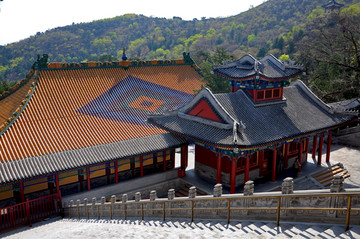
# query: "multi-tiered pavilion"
262,127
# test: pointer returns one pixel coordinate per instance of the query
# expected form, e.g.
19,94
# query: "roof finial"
124,57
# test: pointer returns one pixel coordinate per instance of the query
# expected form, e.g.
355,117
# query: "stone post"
124,198
102,207
86,208
192,192
93,207
78,208
137,197
93,201
218,190
113,199
337,184
70,208
171,194
152,195
287,186
249,188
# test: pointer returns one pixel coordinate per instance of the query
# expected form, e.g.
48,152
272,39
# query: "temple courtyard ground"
70,228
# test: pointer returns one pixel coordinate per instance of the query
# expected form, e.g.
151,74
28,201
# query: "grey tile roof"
66,160
300,113
268,67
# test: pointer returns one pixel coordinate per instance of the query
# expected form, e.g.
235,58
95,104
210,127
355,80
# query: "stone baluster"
124,198
337,184
192,192
71,214
86,208
218,190
152,195
171,194
249,188
287,186
137,197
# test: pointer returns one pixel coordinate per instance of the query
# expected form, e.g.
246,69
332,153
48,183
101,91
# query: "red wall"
202,109
209,158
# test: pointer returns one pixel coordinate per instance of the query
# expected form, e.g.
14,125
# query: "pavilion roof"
73,115
332,4
246,124
268,68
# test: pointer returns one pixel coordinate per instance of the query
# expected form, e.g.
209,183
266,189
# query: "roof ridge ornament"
124,57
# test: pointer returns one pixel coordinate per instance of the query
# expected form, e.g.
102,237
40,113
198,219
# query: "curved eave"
273,143
261,76
15,115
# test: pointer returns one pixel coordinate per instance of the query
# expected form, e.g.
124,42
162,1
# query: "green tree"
330,51
216,83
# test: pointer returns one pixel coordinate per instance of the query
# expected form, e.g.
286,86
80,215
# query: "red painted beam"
320,148
328,147
218,167
247,168
314,147
233,176
273,173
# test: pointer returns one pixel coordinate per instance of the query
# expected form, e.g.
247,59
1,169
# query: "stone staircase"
321,179
180,228
184,191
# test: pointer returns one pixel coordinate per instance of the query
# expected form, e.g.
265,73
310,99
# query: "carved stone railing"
336,205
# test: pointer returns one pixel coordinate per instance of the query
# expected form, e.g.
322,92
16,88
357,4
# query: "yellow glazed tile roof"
76,107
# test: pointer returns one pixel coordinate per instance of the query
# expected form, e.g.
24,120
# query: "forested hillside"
273,27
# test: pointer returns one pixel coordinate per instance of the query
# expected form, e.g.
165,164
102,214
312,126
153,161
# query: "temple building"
332,5
259,129
76,126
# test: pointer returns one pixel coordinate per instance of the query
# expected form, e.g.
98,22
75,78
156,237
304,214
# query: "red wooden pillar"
88,178
141,165
307,148
107,170
233,175
172,158
247,168
261,160
116,171
184,152
22,194
81,179
328,147
273,173
314,147
300,154
218,167
286,156
164,160
57,184
321,141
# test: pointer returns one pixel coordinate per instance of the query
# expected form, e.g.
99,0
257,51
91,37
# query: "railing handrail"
193,207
